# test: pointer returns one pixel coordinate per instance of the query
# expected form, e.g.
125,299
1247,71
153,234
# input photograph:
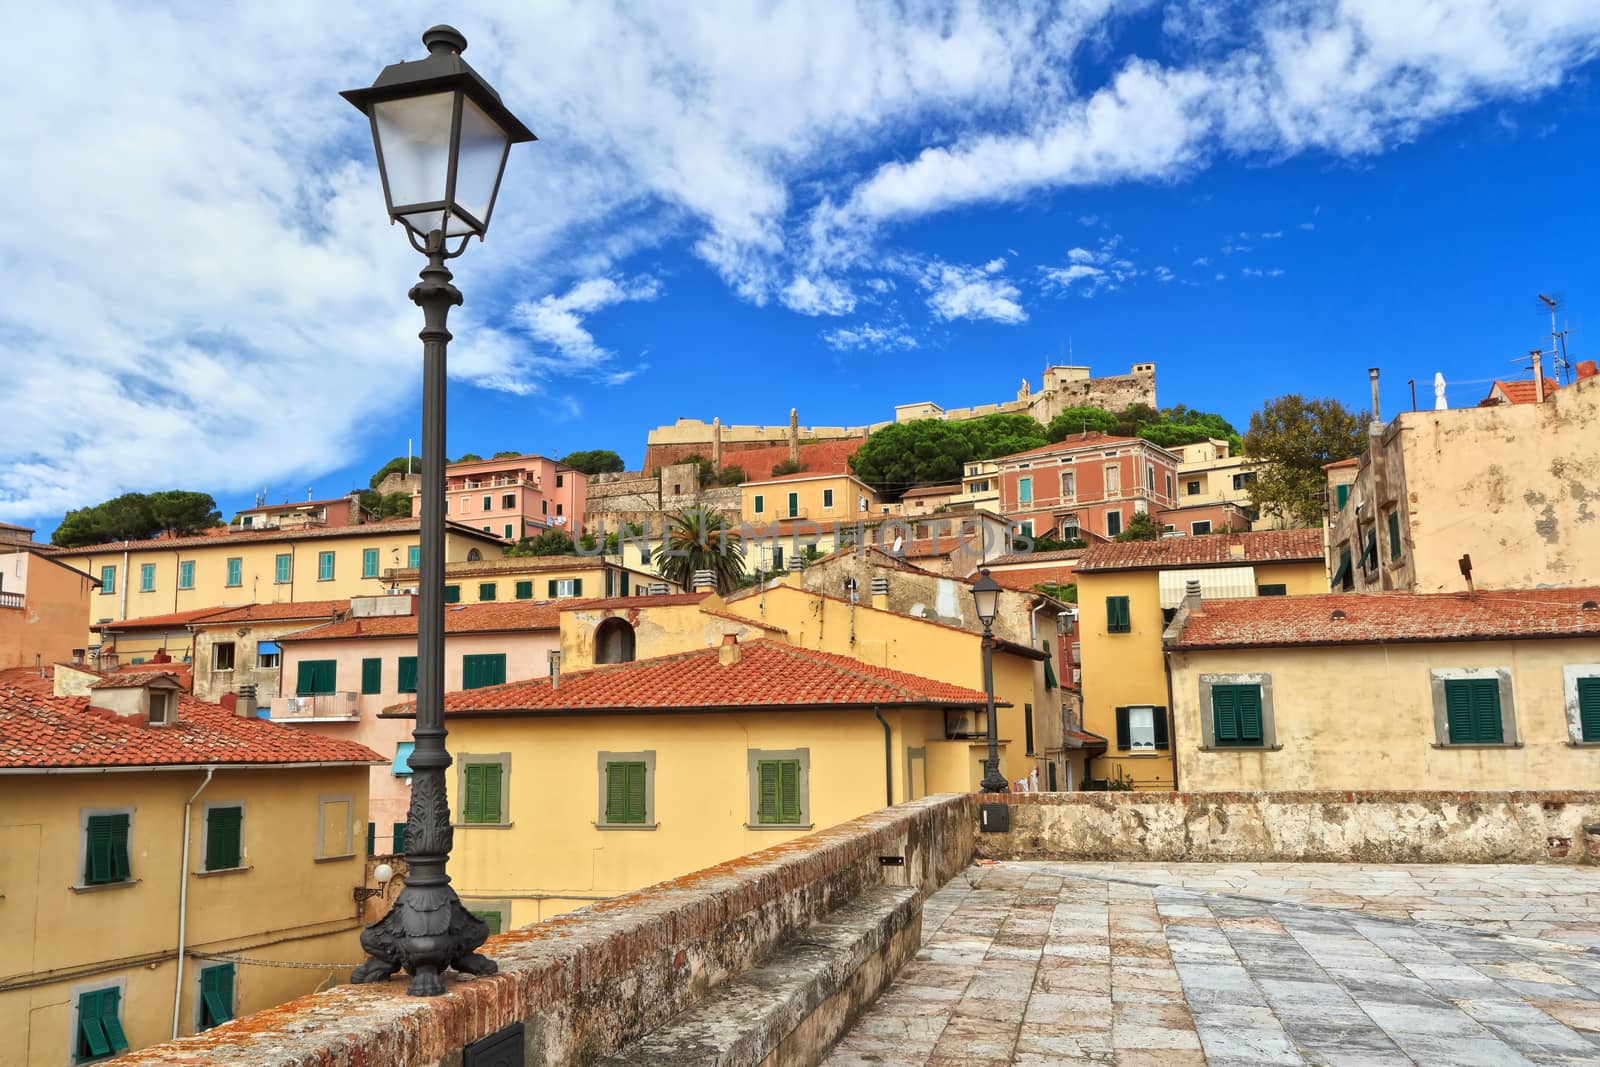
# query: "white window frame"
566,587
1149,726
234,658
350,832
1194,527
1569,687
169,705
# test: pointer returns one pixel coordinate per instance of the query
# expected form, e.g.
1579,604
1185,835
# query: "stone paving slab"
1347,965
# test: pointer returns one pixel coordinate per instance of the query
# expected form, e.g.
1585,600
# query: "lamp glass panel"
414,139
483,153
987,603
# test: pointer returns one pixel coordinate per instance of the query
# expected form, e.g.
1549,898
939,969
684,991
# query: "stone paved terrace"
1229,964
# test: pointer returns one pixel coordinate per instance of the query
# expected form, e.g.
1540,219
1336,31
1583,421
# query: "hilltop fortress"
757,448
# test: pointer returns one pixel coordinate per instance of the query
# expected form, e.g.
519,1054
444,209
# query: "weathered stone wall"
586,983
1361,827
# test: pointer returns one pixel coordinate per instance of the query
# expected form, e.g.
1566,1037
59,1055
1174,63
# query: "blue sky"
734,211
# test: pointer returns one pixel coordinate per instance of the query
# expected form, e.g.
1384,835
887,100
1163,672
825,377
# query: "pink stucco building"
515,497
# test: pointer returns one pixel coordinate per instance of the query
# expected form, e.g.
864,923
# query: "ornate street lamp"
986,599
442,137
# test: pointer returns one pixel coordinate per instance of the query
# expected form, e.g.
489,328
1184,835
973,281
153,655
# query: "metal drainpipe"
183,902
1172,717
888,759
124,583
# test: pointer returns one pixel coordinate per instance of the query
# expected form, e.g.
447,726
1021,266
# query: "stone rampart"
1310,827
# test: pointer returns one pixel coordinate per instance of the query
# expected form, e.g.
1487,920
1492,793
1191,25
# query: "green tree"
788,466
1080,420
136,516
468,457
1289,441
733,475
1140,528
397,465
594,461
701,540
510,453
933,451
547,543
182,511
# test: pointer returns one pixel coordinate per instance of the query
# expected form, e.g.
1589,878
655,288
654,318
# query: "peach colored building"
42,607
515,497
337,677
1087,487
338,511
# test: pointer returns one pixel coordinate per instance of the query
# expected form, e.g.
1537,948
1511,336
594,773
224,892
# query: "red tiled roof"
1092,439
768,674
494,617
169,621
1523,392
932,490
819,457
643,600
294,505
301,533
1013,559
14,526
1371,618
757,479
936,547
1024,581
282,612
39,731
514,565
134,679
1206,550
1353,461
741,620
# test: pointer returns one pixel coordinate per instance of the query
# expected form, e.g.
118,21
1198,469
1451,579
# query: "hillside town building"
513,497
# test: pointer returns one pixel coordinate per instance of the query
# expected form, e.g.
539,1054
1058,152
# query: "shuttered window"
452,594
369,563
413,556
487,591
216,995
491,919
186,574
1341,494
224,828
1131,721
372,839
1589,709
524,590
1119,620
105,849
1472,711
481,670
562,587
236,571
625,798
99,1025
147,577
324,566
1273,589
407,682
1394,535
282,569
372,675
482,801
794,504
397,842
1236,715
316,677
778,791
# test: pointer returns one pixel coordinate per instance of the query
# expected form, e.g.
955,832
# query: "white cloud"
818,296
874,338
558,321
1306,226
1091,272
1273,236
1203,261
962,292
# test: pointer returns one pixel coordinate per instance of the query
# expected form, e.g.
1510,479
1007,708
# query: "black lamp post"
986,598
442,137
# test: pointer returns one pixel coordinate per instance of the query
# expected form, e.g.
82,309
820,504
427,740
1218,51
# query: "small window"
1472,711
524,590
99,1026
335,828
235,572
483,791
1342,578
1203,526
544,507
1069,484
1243,479
1024,490
372,675
163,707
1169,497
565,587
268,655
508,500
494,920
487,590
1394,535
316,677
222,656
778,787
625,792
105,849
614,642
777,557
761,505
488,502
478,671
186,574
224,838
406,682
1113,523
147,577
1341,496
560,480
1236,715
216,995
1150,478
558,508
1141,728
108,579
369,563
1027,714
1118,617
1277,589
794,504
452,594
413,556
510,529
402,758
827,498
1588,709
283,569
324,566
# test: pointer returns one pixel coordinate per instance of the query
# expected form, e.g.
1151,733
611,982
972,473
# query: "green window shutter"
1472,711
483,793
325,566
372,675
1341,494
1119,619
552,592
1459,725
1589,709
491,918
488,590
369,563
1394,535
106,848
186,574
760,504
223,826
484,669
1249,703
408,674
1124,730
1486,711
767,795
111,1019
794,504
1225,714
236,572
625,785
491,792
281,571
472,803
316,677
452,594
577,587
216,995
789,790
372,839
108,579
524,590
413,556
398,844
92,1041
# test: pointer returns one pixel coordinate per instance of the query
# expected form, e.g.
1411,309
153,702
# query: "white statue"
1439,403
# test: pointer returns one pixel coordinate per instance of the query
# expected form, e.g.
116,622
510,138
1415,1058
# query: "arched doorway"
613,642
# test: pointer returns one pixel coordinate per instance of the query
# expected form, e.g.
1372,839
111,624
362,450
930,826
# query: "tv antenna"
1559,363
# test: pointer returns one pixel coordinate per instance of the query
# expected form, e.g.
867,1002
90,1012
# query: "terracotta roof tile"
168,621
494,617
1523,391
225,537
285,612
1265,546
134,679
640,601
294,505
1392,617
1019,558
768,674
1353,461
932,490
41,731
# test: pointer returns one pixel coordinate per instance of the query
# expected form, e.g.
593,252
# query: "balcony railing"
319,706
11,600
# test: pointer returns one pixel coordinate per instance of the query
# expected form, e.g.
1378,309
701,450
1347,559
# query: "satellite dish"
899,545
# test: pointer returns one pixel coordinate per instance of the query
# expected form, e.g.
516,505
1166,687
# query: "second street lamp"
442,137
986,601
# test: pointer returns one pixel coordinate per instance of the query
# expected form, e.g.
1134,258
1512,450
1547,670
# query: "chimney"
555,668
246,705
1538,376
160,656
703,582
794,435
729,653
716,443
880,592
356,517
1377,417
77,657
1191,597
1587,369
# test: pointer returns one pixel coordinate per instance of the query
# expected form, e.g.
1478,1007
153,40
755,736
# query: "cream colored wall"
285,906
1361,717
657,630
50,623
847,494
258,571
553,858
588,570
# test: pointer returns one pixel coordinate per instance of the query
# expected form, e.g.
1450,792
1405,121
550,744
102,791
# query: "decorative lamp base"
426,932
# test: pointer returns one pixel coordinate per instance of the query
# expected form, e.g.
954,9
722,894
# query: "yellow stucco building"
222,845
577,788
821,498
567,577
178,574
1127,595
1498,690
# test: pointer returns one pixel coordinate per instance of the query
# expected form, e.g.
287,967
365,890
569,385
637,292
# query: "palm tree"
701,540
